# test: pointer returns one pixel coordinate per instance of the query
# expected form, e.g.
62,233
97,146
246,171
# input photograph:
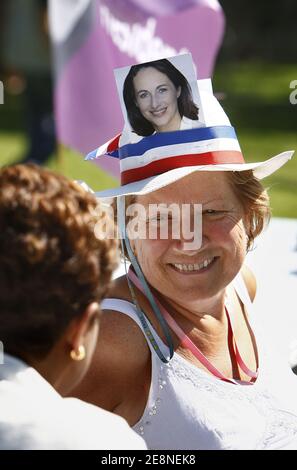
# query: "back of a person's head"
52,266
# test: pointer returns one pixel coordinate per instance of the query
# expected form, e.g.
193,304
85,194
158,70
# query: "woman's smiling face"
174,270
156,98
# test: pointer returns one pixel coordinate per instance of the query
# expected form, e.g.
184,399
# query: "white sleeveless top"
189,409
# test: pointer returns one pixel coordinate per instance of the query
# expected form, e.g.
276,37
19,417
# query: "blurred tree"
263,29
26,64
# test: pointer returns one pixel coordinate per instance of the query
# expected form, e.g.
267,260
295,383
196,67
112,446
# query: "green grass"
257,102
67,161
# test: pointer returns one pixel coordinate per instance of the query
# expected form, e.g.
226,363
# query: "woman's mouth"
194,268
159,112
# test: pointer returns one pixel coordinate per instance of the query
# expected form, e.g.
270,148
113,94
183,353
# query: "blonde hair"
254,200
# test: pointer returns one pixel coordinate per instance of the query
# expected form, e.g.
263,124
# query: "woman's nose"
190,246
155,101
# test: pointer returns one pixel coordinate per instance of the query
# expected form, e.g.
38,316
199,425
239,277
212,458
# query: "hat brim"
149,185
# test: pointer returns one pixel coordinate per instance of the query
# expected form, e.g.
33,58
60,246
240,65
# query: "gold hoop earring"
78,355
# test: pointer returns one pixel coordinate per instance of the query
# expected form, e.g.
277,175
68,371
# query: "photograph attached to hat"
168,151
159,96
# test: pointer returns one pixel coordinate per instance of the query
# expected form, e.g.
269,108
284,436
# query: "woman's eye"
143,95
159,220
156,220
162,90
213,212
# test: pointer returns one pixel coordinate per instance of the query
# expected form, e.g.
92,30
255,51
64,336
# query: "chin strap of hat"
144,320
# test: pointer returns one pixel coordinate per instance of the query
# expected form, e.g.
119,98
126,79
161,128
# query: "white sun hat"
165,157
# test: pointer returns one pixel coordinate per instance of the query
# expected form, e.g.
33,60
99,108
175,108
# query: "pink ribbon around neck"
188,343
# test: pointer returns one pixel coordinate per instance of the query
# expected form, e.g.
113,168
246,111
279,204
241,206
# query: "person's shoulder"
119,333
129,136
250,281
113,431
187,123
33,423
121,355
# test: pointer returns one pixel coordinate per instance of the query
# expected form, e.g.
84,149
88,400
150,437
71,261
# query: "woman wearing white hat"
182,356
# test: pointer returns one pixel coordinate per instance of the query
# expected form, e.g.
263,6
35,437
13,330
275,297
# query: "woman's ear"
80,326
178,92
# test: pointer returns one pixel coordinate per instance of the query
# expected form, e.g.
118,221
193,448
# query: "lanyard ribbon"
188,343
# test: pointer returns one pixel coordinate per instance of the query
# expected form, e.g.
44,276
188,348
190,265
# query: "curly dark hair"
186,105
52,266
